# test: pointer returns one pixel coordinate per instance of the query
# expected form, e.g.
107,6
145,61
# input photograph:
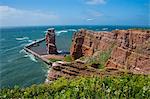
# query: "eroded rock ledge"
130,50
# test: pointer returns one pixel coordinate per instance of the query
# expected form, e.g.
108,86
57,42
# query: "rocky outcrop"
130,48
50,41
76,68
86,43
132,52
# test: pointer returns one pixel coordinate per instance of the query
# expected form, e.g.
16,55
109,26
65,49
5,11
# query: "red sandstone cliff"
86,43
131,48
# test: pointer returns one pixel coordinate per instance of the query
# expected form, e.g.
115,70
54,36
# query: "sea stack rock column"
50,41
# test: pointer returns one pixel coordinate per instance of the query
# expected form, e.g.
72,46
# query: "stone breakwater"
130,51
49,52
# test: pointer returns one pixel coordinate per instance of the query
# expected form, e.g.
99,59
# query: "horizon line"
72,25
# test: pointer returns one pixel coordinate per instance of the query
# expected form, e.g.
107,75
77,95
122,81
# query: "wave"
12,48
22,51
32,57
104,29
24,44
28,55
45,31
63,31
30,41
23,38
59,32
74,30
33,41
2,39
17,58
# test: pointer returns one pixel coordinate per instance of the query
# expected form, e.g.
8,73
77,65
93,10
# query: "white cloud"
11,16
94,2
92,15
90,19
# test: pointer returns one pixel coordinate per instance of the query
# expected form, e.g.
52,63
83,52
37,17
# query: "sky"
74,12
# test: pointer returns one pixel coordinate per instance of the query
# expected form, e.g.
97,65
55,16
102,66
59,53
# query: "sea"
19,68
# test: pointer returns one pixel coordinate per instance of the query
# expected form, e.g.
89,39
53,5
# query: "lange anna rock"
50,41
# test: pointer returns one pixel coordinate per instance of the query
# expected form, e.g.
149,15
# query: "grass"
68,58
54,60
112,87
100,59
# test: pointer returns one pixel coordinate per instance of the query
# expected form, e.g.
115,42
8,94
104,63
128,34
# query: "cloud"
90,19
92,15
11,16
94,2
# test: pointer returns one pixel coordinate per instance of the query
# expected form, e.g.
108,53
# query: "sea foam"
59,32
74,30
104,29
30,41
22,38
32,57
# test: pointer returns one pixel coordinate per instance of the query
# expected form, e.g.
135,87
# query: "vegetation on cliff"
99,58
54,60
68,58
116,87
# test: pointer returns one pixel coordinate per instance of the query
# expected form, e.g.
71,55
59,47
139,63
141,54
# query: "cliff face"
86,43
121,50
50,42
130,48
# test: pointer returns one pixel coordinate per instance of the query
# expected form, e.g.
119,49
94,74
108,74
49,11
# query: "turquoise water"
19,68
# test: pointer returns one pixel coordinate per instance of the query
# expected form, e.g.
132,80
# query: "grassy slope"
125,86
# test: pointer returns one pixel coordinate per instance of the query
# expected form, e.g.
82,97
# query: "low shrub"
54,60
112,87
100,59
68,58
